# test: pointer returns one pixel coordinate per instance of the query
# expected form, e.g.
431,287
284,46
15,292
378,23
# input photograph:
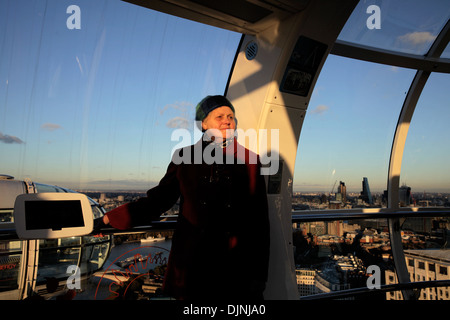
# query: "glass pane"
426,177
427,152
92,105
94,256
10,261
97,211
6,215
134,269
43,188
95,252
346,138
408,26
339,255
55,256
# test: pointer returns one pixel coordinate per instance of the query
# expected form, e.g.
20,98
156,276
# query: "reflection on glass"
6,215
97,211
93,257
43,188
55,256
137,261
10,261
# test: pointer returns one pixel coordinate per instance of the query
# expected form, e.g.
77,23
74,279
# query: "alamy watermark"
374,20
74,280
74,20
373,281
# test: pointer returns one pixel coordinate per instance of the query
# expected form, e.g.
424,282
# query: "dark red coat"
220,247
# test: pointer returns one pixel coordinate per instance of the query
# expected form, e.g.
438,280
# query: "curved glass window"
427,153
425,182
6,215
10,264
347,134
408,26
91,92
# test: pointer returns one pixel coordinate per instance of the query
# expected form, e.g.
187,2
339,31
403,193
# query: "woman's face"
222,121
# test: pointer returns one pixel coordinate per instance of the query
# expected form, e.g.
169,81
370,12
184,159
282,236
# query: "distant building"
404,195
341,194
365,193
305,281
335,228
311,282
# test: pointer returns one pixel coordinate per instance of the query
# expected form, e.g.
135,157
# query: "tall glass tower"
365,193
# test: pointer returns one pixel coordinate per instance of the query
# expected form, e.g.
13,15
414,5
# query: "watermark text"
74,20
266,142
374,20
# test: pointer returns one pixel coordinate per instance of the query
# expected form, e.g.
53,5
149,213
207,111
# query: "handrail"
369,213
383,288
8,232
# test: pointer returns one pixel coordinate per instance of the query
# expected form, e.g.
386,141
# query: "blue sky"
348,130
359,124
95,108
98,104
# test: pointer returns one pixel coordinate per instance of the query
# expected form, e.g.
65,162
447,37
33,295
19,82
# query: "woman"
220,249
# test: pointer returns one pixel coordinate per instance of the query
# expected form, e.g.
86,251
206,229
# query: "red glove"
119,218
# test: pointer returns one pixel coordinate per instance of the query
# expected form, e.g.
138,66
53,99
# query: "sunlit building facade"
424,265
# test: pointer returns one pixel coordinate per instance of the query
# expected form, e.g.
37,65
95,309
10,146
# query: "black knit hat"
210,103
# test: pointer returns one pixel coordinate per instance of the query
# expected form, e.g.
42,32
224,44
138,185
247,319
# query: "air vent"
251,50
6,177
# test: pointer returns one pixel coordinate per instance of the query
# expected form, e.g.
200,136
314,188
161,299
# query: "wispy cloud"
50,126
320,109
416,39
5,138
79,65
179,122
183,115
180,106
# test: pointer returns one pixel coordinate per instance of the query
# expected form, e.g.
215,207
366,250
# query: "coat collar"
234,149
229,147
